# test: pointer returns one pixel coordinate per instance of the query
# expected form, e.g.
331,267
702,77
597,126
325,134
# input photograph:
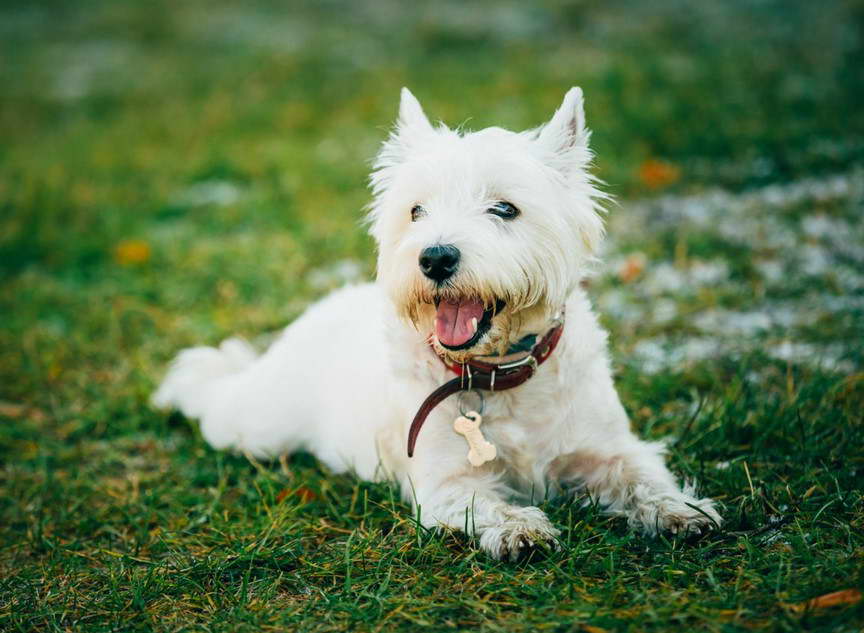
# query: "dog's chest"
524,439
515,448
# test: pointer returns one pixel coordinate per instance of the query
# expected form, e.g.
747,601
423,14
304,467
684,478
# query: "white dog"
483,238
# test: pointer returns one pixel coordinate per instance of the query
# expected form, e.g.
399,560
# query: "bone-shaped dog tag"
479,450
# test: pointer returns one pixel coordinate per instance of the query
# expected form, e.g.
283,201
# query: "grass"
171,175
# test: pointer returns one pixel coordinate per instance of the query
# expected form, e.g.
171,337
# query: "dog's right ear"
412,130
412,119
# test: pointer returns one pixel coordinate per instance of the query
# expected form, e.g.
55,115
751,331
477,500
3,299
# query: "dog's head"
483,235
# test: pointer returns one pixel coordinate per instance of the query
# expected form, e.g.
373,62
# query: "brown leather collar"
477,374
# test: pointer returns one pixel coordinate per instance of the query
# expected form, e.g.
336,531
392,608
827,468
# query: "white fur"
345,379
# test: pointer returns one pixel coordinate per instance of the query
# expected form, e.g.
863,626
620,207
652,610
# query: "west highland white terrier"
477,316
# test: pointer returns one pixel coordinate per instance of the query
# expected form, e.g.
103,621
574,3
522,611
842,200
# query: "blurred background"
172,173
197,168
179,171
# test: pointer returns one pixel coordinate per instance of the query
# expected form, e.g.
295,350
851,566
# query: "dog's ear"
564,145
412,119
566,130
411,131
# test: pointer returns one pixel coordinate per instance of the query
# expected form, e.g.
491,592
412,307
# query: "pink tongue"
453,322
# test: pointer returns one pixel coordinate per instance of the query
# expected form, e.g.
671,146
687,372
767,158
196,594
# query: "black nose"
439,262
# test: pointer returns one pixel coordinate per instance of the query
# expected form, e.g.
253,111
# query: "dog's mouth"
460,323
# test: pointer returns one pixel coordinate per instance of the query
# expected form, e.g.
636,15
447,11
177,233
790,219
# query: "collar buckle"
530,360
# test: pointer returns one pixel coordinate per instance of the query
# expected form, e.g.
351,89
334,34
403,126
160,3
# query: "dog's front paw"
691,521
525,531
681,515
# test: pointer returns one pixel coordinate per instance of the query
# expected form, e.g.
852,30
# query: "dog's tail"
194,378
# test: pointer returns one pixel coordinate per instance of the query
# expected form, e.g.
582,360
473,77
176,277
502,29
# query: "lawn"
174,173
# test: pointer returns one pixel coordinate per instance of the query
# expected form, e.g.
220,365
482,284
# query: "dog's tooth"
474,324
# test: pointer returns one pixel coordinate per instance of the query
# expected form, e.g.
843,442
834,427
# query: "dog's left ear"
566,130
564,142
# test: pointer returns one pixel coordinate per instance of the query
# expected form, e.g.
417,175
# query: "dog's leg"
189,384
634,482
239,406
447,491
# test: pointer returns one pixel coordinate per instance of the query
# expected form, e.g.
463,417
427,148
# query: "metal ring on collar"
481,402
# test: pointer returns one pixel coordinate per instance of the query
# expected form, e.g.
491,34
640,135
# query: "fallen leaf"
130,252
834,599
303,493
632,267
588,628
15,411
12,410
656,174
227,290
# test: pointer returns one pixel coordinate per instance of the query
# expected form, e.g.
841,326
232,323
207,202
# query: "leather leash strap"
486,376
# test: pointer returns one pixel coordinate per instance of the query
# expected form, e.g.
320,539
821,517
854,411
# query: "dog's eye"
417,212
504,210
